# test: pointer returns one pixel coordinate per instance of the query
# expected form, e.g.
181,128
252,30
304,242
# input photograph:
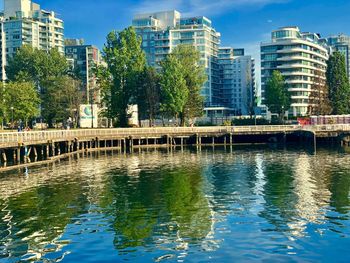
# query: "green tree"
3,106
251,96
148,95
173,87
126,61
195,77
319,96
45,70
104,83
31,64
21,100
61,99
277,96
338,83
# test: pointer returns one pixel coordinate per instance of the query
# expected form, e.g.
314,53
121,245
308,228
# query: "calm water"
252,204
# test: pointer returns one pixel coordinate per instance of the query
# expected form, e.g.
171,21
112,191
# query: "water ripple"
255,204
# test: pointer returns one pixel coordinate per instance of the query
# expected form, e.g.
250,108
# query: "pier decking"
23,147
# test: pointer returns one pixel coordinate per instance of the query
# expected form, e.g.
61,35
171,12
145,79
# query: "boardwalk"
13,139
20,149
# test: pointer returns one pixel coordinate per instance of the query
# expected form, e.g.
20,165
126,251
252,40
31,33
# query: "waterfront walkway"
13,139
20,149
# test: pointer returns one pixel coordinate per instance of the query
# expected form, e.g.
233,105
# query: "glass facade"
286,34
237,77
31,26
168,30
83,58
341,43
301,58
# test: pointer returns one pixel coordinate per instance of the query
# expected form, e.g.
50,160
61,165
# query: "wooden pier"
18,148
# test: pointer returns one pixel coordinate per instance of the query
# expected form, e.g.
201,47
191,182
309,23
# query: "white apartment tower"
301,58
24,23
237,75
161,32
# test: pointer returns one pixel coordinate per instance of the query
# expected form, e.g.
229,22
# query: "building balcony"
297,74
299,89
300,104
299,81
300,97
292,50
289,58
297,65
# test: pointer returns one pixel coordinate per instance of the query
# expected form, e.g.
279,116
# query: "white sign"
88,116
133,115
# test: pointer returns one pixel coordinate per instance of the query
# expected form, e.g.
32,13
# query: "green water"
222,205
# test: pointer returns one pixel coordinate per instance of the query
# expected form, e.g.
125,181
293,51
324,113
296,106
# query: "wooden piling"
35,152
18,154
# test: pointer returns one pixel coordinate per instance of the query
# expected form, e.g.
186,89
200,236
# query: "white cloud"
200,7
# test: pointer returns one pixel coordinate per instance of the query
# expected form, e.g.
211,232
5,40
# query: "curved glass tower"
301,58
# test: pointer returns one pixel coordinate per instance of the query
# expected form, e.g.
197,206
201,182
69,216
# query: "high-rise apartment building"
161,32
341,43
24,23
82,59
237,75
301,58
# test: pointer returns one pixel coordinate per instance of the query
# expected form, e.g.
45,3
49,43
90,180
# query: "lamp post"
91,91
12,117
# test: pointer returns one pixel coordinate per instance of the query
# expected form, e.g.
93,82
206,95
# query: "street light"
12,117
91,91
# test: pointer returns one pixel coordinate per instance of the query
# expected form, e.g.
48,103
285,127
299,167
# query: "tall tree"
61,100
195,77
32,64
319,96
104,85
338,83
40,67
277,96
148,98
3,106
21,101
173,85
251,100
126,61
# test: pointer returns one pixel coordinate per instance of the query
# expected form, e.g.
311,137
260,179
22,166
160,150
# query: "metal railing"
55,135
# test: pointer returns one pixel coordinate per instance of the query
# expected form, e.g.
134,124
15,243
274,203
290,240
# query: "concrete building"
237,76
341,43
161,32
301,58
82,59
24,23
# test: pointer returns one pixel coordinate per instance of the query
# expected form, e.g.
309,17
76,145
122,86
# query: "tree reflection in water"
181,201
159,207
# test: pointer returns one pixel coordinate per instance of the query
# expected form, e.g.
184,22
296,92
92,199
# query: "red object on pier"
304,121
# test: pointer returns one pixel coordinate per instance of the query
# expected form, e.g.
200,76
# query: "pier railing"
59,135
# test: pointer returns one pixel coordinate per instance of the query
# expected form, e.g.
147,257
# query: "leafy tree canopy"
195,77
125,62
277,96
20,100
338,83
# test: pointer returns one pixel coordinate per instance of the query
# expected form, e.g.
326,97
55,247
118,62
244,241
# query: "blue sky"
242,23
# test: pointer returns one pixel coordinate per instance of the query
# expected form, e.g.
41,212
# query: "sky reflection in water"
249,204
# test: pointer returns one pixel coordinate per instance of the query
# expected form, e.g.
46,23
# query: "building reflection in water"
171,201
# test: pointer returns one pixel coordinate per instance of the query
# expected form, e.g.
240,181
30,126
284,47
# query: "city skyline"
232,18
